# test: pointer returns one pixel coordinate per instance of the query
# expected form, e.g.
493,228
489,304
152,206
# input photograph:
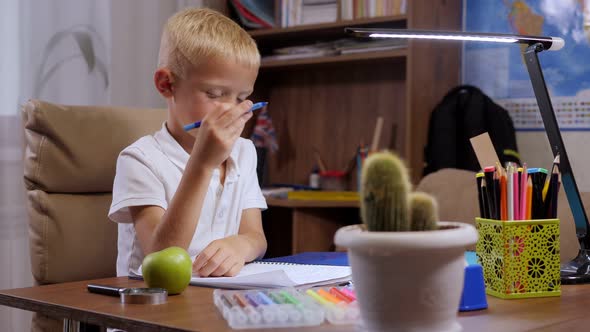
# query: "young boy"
197,190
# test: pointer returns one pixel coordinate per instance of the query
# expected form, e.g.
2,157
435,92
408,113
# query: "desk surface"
193,310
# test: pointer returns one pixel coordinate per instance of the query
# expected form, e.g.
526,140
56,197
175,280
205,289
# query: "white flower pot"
408,281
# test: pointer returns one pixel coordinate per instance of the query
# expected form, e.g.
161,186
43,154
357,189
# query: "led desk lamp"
578,270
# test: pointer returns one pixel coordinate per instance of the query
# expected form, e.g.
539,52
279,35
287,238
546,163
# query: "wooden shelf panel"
398,53
293,203
313,28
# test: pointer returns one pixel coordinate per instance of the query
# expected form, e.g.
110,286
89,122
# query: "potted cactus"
407,267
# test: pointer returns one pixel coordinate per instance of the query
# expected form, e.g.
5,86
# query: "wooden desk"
295,226
193,310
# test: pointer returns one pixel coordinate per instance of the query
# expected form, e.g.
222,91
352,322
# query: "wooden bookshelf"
331,103
277,33
365,56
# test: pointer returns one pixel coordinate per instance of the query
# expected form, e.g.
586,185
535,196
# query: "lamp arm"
557,146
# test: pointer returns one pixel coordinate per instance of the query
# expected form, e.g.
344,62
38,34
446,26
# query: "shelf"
292,203
275,32
270,39
398,53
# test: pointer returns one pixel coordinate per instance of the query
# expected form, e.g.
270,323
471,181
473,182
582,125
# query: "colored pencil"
480,200
503,207
510,193
529,198
523,190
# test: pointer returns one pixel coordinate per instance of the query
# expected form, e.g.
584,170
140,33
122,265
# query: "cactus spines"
423,211
385,186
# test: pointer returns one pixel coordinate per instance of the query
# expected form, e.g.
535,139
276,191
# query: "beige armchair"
70,158
456,194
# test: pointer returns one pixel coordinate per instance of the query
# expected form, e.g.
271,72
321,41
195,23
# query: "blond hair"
192,36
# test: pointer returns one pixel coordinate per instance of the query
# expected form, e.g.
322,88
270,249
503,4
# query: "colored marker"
233,313
253,108
290,299
290,308
281,315
253,315
337,293
318,298
264,298
349,293
268,315
334,311
329,297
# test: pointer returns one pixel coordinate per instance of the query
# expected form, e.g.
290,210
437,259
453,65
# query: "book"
263,10
247,18
261,274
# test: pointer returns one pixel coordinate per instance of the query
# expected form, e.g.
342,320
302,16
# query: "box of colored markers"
287,307
520,258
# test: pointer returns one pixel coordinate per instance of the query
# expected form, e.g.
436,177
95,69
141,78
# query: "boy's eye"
213,95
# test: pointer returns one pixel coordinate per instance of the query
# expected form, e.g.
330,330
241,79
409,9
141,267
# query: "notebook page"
273,275
270,279
311,274
278,275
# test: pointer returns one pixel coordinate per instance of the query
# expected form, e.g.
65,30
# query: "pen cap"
474,289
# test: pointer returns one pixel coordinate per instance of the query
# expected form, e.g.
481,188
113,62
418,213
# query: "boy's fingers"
204,257
213,264
237,126
234,270
223,268
229,117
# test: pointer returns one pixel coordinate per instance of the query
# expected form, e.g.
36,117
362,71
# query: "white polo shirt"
149,172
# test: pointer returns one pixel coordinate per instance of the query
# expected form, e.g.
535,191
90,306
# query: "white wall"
535,150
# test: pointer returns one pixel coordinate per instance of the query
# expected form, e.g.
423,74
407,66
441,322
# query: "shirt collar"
179,156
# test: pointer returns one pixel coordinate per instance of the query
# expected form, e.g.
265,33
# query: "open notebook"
274,275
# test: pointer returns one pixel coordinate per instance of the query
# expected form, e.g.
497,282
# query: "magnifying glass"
132,295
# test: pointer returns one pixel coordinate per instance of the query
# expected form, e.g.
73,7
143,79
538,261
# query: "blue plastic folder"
313,258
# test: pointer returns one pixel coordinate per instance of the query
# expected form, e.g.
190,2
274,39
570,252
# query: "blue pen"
198,123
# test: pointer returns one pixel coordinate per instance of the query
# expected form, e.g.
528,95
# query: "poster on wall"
500,72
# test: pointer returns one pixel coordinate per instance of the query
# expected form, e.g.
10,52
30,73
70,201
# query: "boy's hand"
220,258
218,132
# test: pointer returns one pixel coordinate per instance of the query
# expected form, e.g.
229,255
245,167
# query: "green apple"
170,268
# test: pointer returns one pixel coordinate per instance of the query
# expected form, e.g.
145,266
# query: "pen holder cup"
520,258
333,181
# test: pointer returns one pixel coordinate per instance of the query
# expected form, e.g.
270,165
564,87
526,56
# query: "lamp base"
577,271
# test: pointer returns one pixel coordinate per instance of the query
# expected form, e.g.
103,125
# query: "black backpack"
463,113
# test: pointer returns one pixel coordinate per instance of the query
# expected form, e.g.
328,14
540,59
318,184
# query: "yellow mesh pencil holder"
520,258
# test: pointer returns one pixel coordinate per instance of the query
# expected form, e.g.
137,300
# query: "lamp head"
549,43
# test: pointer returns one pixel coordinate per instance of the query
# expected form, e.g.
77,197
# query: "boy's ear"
164,81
